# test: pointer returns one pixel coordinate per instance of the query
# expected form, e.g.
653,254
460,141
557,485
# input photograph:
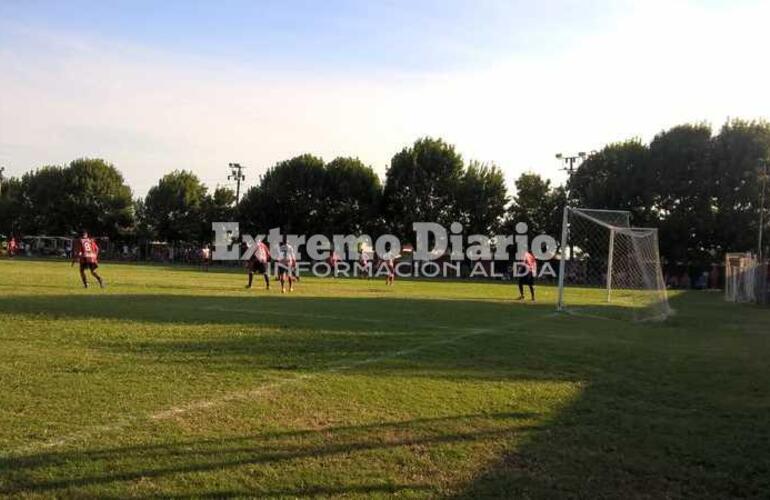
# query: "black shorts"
258,267
527,279
91,266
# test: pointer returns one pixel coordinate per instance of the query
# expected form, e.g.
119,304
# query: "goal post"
609,267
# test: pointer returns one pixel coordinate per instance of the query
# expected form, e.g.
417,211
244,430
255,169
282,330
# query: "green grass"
173,382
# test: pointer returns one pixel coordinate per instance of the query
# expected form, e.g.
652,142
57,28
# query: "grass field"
174,382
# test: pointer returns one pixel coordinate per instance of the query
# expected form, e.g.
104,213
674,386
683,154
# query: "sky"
157,86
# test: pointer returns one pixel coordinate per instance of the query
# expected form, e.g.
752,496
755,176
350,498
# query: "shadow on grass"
658,424
312,312
38,473
661,414
300,333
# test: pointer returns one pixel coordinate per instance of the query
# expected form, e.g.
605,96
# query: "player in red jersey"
12,247
258,263
86,251
528,278
334,260
390,267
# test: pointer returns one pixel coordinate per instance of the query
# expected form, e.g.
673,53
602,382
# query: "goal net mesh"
743,275
610,268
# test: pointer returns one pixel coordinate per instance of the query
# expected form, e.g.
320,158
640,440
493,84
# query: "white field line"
253,393
260,390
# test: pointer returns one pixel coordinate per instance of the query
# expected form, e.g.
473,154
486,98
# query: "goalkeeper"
528,275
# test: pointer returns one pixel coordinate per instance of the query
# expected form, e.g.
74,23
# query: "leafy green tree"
217,207
174,208
737,152
481,199
97,198
11,206
616,178
42,197
422,184
290,195
89,193
538,204
681,170
353,194
220,205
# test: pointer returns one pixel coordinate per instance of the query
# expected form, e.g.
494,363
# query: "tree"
616,178
352,193
481,199
537,204
736,155
96,198
290,195
217,207
11,201
422,184
681,170
42,202
88,194
174,208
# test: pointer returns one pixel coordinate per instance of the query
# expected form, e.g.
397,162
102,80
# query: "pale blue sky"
326,35
154,86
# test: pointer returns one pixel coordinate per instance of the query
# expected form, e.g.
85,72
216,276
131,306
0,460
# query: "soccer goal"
743,278
610,268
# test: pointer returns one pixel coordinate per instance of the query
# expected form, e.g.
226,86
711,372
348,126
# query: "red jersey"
261,253
86,250
531,262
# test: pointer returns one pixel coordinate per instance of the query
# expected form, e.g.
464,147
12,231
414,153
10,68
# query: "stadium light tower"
2,170
569,165
236,174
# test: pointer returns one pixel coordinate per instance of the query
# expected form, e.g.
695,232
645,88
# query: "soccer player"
258,263
390,266
12,247
205,256
334,260
528,277
365,263
87,252
286,260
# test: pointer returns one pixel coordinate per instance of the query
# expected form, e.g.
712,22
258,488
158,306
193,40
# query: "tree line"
701,189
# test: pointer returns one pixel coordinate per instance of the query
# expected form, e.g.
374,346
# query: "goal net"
742,277
609,268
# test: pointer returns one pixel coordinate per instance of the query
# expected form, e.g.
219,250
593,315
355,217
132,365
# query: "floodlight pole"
236,174
763,188
2,169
